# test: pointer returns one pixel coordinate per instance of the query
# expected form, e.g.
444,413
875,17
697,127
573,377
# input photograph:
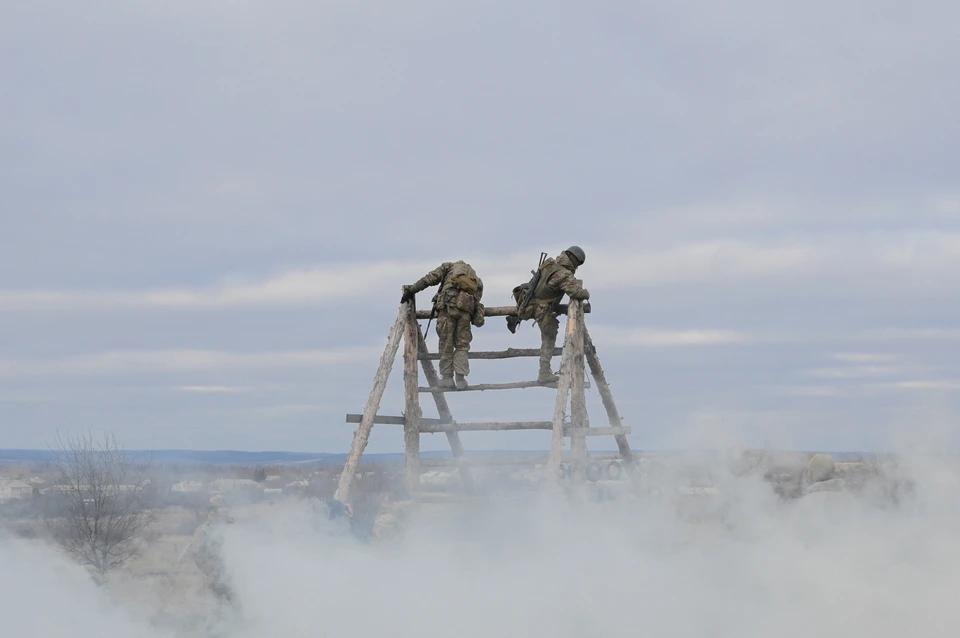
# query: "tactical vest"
542,293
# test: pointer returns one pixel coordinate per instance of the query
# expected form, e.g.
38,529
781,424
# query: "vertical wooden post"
443,409
362,434
411,413
578,400
606,395
563,391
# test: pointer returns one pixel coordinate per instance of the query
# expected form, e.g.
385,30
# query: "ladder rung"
481,427
391,420
509,353
516,425
503,311
505,459
492,386
605,431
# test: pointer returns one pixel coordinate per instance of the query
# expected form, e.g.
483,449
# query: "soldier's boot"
546,376
461,382
512,322
446,381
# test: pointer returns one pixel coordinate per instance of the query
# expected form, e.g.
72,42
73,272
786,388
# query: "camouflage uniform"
205,551
556,279
458,307
389,523
821,475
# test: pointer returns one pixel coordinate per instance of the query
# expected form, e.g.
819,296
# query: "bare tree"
104,508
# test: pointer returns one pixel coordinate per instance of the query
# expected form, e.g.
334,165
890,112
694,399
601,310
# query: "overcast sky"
208,209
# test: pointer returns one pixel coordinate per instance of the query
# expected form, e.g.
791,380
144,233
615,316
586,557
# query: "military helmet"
577,253
821,468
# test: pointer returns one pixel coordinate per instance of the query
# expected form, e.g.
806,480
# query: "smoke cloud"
731,561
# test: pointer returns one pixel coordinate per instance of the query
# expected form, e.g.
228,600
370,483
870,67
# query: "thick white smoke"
44,594
739,564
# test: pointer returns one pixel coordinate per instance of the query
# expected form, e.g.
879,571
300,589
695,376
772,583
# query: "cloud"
862,390
946,206
658,338
852,372
912,334
863,357
212,389
178,361
930,384
730,183
308,285
282,410
934,255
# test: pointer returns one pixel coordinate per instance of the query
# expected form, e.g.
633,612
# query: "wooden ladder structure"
577,350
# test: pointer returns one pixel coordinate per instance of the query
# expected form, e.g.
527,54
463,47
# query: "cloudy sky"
208,209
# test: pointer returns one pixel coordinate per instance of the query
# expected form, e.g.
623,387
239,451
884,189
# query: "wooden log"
497,460
560,406
495,426
435,426
509,353
411,412
578,401
503,311
391,420
568,430
487,460
362,434
481,387
606,395
591,431
443,409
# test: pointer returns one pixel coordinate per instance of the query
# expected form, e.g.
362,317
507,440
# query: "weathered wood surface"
501,311
563,391
436,426
578,401
606,395
507,460
411,399
591,431
509,353
391,420
443,409
478,460
481,387
494,426
362,434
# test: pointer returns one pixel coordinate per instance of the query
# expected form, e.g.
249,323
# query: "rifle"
531,286
433,312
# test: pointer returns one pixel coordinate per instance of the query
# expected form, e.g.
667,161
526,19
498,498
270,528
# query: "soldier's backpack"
465,284
467,280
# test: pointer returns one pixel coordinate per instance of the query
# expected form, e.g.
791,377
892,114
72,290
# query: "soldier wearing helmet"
458,307
821,475
556,279
205,549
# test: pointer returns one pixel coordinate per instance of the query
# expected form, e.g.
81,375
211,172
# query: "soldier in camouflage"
556,280
821,475
458,307
205,550
393,516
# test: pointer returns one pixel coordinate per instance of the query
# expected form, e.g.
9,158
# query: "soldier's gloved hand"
408,294
584,295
